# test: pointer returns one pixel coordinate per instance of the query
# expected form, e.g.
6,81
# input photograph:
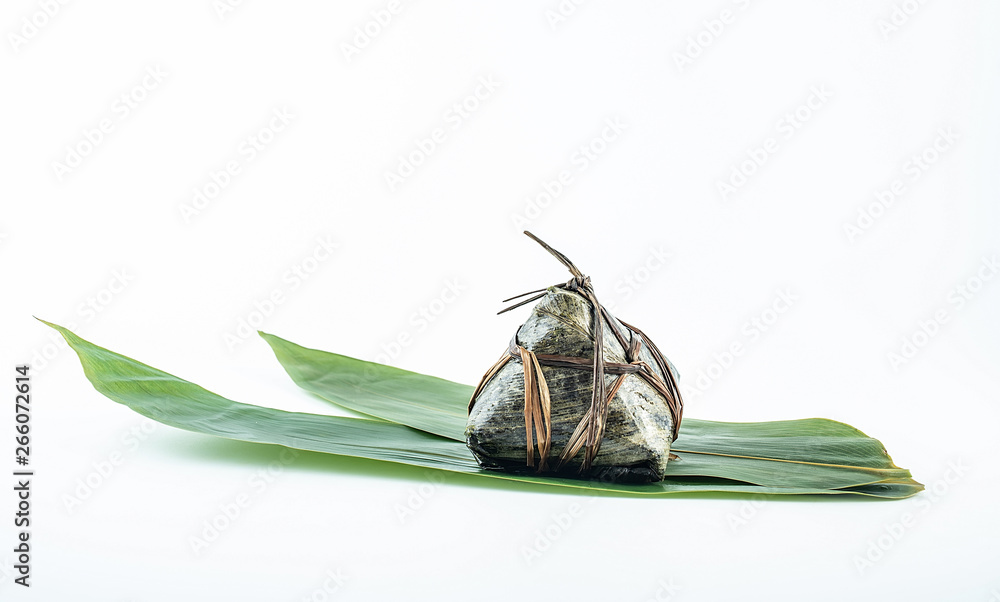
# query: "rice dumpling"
577,393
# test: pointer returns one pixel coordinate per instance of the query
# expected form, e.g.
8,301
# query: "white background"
186,282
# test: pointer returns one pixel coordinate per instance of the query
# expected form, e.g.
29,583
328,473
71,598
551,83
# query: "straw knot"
579,283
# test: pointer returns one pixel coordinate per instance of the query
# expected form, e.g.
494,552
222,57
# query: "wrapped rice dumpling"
577,393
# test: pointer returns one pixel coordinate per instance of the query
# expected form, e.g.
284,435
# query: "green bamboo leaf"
768,472
811,453
185,405
858,451
428,403
182,404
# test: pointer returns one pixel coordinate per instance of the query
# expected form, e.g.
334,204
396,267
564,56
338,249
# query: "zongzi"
577,393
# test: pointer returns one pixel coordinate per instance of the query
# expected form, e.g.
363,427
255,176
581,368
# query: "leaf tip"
47,323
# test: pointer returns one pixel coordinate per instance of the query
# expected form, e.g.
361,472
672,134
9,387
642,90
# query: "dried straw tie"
537,404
